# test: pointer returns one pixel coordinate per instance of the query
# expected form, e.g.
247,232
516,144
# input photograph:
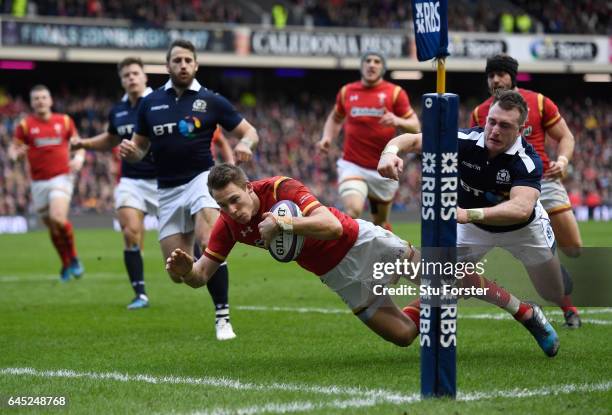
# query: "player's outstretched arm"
516,210
331,129
248,141
182,269
101,142
390,164
135,149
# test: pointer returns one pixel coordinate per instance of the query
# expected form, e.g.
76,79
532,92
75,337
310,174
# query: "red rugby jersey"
317,256
543,114
364,137
48,144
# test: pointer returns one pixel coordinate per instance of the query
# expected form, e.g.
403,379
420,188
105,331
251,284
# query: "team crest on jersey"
381,98
34,130
353,97
527,131
58,128
199,105
503,176
188,126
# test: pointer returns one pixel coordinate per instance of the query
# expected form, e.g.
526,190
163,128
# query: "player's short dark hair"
39,87
223,174
181,43
510,99
130,60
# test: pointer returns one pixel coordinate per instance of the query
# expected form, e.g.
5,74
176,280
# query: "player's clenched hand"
388,119
390,166
462,216
76,143
268,228
556,169
323,145
243,153
178,265
128,150
17,151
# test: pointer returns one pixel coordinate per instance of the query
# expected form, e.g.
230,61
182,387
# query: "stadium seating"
288,131
585,17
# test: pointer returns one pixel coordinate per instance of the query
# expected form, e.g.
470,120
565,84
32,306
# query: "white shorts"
379,187
45,190
352,279
553,196
531,244
177,205
139,194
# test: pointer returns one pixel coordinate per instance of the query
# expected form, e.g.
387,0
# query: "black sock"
218,287
568,283
135,268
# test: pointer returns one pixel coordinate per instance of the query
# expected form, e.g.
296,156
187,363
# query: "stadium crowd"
584,17
289,130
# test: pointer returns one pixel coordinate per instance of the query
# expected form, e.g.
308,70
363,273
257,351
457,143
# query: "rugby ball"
286,246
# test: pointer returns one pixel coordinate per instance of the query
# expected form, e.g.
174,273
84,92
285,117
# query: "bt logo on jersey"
161,129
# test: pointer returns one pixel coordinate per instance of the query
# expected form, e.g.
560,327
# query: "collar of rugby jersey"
195,85
146,92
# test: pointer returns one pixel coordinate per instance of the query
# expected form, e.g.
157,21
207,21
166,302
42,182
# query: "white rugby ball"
286,246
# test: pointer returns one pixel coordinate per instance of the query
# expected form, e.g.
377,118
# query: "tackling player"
177,123
374,110
341,250
543,121
499,176
45,137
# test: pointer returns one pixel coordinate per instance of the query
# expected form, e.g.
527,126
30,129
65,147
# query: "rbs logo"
428,17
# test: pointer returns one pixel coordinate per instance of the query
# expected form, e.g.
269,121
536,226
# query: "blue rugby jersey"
181,130
121,121
485,182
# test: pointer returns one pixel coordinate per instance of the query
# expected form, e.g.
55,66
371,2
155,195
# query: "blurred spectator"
510,16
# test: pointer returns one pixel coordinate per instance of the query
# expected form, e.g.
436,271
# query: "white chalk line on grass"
487,316
359,397
304,406
221,382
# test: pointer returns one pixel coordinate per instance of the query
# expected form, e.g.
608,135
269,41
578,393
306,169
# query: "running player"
374,110
45,137
177,122
543,121
136,193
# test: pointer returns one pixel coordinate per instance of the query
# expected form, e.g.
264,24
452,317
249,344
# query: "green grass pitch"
298,349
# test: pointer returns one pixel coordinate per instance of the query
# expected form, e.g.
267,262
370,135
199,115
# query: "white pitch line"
361,397
294,309
508,317
486,316
301,406
221,382
290,407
